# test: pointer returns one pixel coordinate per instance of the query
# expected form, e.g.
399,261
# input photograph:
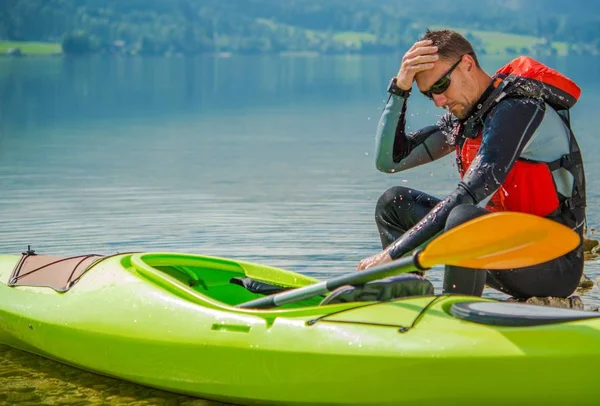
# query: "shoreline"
227,55
506,45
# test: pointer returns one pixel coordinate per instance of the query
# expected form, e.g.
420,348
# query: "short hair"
451,45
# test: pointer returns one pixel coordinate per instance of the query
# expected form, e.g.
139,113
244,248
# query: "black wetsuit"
514,128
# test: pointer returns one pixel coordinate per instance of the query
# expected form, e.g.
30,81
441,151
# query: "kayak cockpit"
217,281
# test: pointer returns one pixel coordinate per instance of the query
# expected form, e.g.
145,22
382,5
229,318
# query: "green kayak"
169,321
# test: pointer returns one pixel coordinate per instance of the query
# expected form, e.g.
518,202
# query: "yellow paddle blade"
500,241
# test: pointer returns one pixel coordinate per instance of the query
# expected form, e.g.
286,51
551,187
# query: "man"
515,151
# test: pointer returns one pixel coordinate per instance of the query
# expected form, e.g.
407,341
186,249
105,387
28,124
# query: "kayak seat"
395,287
57,273
225,286
516,314
257,287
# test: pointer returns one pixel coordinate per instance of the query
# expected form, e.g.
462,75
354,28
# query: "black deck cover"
516,314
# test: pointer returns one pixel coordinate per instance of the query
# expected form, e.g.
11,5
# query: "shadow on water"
27,379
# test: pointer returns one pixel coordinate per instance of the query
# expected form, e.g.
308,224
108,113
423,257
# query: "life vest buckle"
566,161
569,203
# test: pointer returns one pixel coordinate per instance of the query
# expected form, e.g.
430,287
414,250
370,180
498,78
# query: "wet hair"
451,45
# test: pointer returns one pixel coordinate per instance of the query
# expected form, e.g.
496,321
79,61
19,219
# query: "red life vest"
529,186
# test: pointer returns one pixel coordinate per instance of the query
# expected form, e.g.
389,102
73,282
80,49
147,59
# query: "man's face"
459,97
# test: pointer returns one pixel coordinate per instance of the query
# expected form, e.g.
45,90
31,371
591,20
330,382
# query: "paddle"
498,241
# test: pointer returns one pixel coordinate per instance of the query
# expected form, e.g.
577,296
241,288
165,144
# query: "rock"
591,248
571,302
14,52
589,243
585,282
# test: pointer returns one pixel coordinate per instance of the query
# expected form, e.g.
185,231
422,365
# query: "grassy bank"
500,43
31,48
494,43
341,37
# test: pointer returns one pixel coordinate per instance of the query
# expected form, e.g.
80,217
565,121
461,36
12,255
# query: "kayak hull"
121,322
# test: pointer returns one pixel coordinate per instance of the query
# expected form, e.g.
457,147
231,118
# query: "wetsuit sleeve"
506,131
397,151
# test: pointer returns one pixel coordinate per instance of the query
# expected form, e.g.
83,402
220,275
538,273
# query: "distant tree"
77,43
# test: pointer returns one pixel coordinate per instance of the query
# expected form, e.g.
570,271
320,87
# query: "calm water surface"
264,159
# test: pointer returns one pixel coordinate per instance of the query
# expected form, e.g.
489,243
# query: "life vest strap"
567,161
571,162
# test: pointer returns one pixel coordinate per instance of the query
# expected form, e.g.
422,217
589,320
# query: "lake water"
265,159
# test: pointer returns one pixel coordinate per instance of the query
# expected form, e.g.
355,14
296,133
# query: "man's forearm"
397,151
387,131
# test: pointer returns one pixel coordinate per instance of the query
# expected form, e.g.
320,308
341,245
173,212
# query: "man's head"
456,80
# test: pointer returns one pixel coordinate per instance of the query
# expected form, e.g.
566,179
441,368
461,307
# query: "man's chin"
457,112
463,113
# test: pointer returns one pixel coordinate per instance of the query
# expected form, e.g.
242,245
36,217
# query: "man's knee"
393,197
463,213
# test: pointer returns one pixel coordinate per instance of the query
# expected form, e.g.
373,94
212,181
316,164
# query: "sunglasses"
443,83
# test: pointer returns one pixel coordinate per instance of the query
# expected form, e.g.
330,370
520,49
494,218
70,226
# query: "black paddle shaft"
401,265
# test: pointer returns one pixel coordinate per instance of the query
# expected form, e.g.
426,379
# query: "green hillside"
188,27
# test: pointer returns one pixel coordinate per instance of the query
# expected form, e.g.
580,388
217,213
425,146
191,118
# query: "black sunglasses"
443,83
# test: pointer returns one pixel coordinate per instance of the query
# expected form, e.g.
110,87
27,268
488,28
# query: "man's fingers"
419,57
365,263
419,63
418,44
420,67
428,50
424,59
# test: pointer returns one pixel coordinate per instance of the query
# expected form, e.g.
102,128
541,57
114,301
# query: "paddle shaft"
401,265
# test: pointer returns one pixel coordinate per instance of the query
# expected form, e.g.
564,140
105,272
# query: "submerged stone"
571,302
589,243
591,248
585,282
